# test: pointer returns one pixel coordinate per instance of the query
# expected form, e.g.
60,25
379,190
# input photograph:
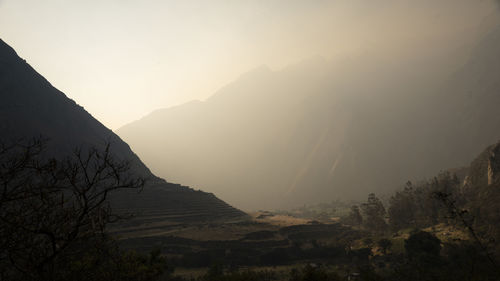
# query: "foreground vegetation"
54,215
445,228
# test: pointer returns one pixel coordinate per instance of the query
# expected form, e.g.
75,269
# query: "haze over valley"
249,140
331,129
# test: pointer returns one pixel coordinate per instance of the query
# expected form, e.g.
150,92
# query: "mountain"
322,130
31,107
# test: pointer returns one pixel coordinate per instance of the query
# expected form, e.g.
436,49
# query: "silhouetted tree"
402,208
54,210
418,207
355,217
424,261
374,214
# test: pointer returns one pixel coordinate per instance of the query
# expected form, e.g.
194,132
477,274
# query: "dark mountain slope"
31,107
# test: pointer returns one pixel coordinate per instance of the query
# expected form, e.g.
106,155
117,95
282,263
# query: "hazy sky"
121,59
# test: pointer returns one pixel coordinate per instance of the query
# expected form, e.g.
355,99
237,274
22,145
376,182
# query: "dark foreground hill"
322,130
30,107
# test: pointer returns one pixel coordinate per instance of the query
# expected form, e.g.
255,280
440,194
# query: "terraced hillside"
272,246
157,212
31,107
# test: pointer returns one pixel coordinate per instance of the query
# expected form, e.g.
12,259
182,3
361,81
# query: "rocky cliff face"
484,171
494,164
481,192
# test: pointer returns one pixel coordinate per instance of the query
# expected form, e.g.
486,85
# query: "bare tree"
49,207
466,219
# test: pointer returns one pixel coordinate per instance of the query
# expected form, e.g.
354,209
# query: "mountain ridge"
346,129
32,107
